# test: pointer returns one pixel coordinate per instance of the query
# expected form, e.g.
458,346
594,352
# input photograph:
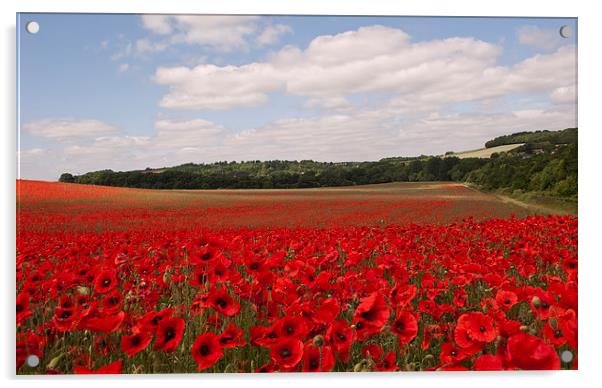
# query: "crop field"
391,277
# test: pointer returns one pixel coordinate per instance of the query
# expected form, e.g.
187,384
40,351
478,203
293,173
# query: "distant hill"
543,162
483,152
566,136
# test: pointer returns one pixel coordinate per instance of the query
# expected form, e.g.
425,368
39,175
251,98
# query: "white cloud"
334,67
272,34
69,129
564,95
223,33
123,67
540,38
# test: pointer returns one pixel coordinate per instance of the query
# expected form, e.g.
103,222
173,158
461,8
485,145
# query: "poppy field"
394,277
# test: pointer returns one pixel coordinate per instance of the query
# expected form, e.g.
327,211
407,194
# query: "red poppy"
111,369
531,353
286,353
341,336
292,326
388,363
373,351
232,337
23,311
327,312
371,315
112,302
221,301
317,359
206,350
169,334
488,362
105,281
135,343
506,299
405,327
479,327
100,322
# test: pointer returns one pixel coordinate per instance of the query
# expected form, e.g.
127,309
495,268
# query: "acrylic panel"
238,193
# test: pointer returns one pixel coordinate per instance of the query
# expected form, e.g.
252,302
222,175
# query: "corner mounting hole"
32,27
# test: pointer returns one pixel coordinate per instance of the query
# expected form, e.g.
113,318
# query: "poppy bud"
83,290
553,323
363,366
523,328
54,362
428,357
318,340
536,301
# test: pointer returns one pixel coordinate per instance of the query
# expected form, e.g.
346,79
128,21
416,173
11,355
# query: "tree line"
549,168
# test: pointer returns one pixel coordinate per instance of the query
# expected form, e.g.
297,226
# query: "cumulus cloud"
220,32
334,67
272,34
540,38
69,129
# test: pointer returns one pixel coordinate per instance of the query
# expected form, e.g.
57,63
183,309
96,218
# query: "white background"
590,162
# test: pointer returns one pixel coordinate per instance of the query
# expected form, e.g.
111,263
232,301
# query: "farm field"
401,276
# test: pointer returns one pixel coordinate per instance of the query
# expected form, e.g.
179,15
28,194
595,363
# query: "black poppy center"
313,363
170,334
136,341
19,308
359,325
205,350
106,282
482,329
254,266
221,303
290,329
65,314
342,336
284,353
206,256
557,334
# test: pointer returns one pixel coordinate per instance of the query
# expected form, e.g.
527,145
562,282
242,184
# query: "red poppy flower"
111,369
105,281
135,343
112,302
488,362
292,326
506,299
287,353
341,336
373,351
23,311
478,326
388,363
451,354
169,334
221,301
370,316
317,359
531,353
206,350
232,337
99,322
27,345
327,312
405,327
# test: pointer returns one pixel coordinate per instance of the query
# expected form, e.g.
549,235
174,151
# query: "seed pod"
536,301
318,341
55,361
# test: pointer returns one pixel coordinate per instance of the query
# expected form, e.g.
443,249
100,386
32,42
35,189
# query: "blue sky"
130,91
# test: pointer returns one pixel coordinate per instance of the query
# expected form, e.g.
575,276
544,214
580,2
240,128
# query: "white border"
589,161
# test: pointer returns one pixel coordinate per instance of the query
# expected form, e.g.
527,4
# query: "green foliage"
544,165
566,136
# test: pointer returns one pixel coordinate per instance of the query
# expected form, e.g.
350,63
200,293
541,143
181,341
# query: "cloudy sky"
133,91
